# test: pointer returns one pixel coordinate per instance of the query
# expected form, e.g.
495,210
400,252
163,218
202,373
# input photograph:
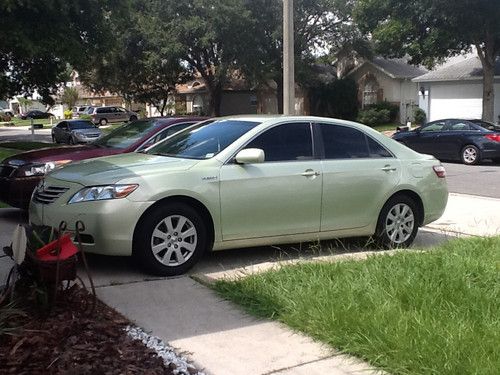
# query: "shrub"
374,116
419,116
4,117
337,99
392,108
68,114
86,116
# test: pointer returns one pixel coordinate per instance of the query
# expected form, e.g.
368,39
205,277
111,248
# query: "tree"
431,30
40,38
140,66
209,36
69,96
316,24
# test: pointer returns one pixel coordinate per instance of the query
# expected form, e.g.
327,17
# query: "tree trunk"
214,98
488,91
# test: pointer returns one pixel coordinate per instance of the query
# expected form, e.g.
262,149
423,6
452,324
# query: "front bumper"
109,224
16,191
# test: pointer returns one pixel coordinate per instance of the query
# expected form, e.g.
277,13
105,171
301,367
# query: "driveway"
23,133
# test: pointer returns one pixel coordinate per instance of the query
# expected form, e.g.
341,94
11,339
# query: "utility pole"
288,59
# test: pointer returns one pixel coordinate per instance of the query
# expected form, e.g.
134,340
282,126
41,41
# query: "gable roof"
466,70
394,68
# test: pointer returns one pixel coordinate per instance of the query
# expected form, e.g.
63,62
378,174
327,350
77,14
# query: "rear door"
359,174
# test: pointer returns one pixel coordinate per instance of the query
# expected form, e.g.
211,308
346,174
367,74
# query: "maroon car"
19,174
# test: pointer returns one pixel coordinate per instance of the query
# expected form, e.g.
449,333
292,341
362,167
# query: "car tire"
103,122
54,140
71,141
398,223
470,155
133,118
170,239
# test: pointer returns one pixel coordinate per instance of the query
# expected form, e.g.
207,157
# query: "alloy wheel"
399,223
174,240
470,155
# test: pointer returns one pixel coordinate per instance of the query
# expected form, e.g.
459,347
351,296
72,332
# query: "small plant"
8,314
419,116
68,114
392,108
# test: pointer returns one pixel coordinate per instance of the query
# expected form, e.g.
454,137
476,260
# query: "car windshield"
128,134
203,141
81,125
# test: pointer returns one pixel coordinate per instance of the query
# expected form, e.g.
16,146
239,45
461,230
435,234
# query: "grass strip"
433,312
26,145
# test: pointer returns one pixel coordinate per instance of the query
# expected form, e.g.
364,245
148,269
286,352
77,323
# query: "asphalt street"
482,180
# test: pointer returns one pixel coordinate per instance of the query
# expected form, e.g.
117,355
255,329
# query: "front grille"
48,194
92,135
7,171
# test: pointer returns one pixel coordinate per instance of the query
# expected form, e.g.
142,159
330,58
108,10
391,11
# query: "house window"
370,93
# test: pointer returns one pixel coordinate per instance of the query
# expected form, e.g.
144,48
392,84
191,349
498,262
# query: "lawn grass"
6,152
433,312
386,127
26,145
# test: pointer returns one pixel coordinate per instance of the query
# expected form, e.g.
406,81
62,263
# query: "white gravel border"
164,351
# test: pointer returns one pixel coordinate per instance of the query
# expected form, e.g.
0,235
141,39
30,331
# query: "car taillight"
440,171
493,137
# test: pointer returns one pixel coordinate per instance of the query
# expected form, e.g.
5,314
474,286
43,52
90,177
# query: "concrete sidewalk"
215,334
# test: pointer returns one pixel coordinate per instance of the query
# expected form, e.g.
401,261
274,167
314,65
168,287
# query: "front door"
282,195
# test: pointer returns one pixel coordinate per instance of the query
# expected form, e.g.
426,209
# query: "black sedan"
469,141
36,114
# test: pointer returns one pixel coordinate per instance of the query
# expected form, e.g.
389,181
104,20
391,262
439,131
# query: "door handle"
388,168
310,173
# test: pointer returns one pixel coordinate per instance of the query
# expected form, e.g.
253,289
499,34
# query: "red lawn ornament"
50,251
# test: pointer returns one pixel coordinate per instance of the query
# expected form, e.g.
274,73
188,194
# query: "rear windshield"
128,134
81,125
203,141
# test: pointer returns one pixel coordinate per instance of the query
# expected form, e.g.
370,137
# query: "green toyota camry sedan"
245,181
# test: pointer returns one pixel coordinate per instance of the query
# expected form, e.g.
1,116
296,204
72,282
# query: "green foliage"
85,116
337,99
433,312
419,116
69,96
374,116
8,314
392,108
40,38
68,114
4,117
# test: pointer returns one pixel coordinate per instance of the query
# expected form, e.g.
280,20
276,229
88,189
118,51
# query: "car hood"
73,153
112,169
87,131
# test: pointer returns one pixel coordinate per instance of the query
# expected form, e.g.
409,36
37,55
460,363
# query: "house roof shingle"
466,70
394,68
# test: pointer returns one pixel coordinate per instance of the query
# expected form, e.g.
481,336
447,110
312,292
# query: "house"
388,80
456,90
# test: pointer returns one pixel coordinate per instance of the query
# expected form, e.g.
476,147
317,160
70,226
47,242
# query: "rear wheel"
397,223
470,155
133,118
170,239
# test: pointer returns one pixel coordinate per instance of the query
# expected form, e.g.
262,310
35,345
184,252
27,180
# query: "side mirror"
250,156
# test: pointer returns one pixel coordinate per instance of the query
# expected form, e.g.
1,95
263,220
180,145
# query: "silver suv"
103,115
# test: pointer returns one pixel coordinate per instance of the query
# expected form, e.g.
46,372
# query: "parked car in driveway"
73,132
454,139
79,110
36,114
104,115
243,182
20,173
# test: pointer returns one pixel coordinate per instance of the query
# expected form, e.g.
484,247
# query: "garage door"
456,101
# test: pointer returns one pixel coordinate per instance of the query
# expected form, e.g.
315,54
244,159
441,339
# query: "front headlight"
41,169
99,193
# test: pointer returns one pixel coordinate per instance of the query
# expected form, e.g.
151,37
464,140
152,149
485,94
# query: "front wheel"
397,223
170,239
103,122
470,155
133,118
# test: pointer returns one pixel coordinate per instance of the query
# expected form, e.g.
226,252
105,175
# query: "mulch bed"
71,341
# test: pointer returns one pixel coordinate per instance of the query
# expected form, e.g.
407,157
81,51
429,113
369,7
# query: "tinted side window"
101,110
377,150
459,126
434,127
342,142
285,142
